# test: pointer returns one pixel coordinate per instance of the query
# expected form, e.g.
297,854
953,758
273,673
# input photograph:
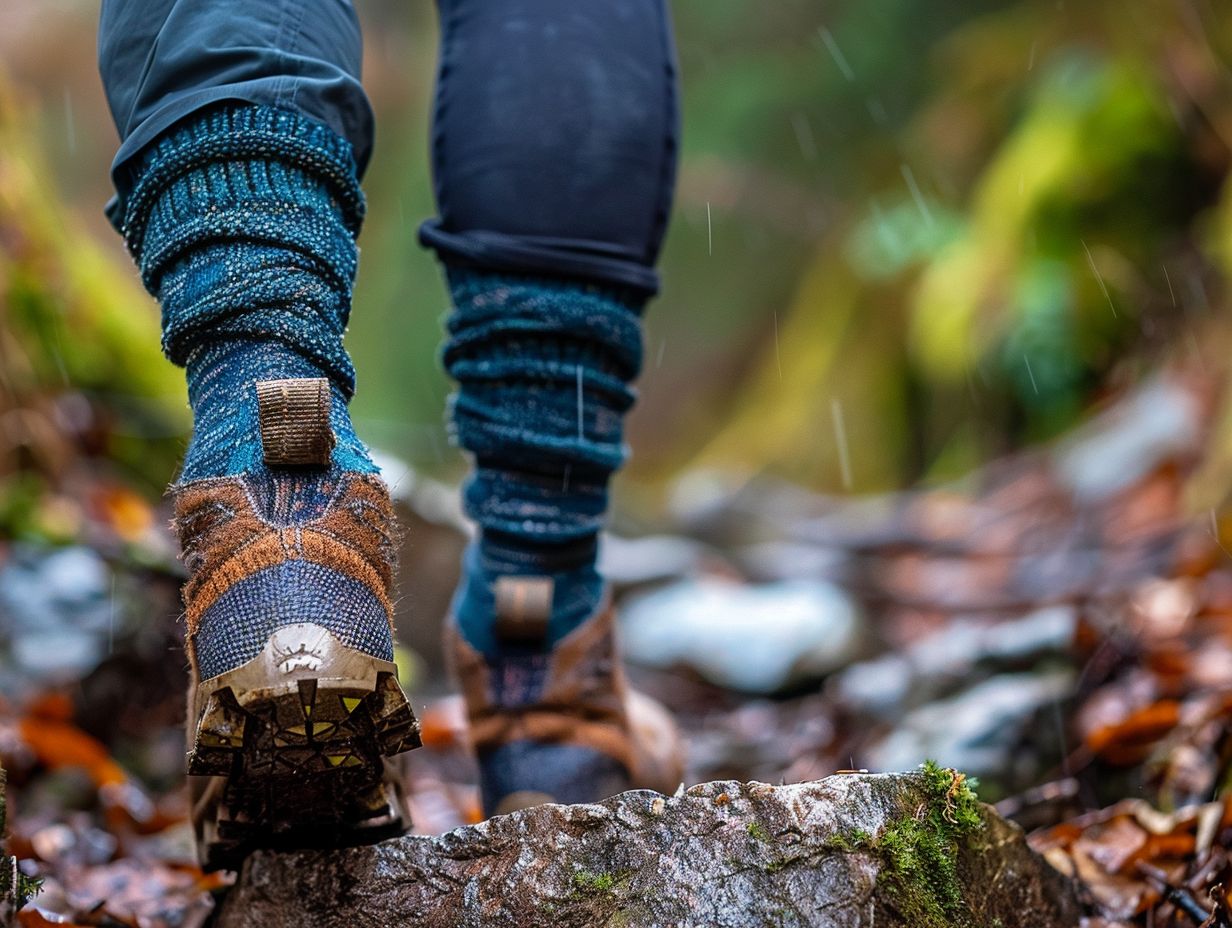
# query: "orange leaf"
59,744
127,513
1171,847
1129,740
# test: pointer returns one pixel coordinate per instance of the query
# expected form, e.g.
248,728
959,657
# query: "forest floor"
1055,625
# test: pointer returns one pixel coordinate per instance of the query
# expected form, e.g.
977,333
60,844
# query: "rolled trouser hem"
497,252
125,167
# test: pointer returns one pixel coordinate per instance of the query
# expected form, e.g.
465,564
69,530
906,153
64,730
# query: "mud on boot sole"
295,749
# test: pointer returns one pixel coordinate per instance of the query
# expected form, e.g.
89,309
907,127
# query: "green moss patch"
919,852
757,831
853,840
593,883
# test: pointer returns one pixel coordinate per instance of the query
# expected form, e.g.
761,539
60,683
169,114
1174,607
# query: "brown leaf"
1129,741
1115,845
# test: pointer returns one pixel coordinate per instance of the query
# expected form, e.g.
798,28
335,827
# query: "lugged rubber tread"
295,749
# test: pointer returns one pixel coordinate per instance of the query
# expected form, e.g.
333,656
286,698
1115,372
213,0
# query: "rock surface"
722,855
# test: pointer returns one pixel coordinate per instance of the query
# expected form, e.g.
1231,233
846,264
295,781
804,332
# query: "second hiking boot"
559,724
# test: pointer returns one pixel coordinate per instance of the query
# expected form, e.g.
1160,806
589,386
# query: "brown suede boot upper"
227,535
582,699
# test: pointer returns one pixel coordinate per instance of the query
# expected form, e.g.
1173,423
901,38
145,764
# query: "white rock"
757,639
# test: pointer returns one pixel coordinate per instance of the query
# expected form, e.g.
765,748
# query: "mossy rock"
915,850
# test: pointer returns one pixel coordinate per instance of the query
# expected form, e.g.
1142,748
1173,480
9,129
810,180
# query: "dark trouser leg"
554,138
554,150
554,147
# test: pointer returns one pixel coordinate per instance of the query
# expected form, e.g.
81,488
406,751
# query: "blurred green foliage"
80,368
1041,242
909,237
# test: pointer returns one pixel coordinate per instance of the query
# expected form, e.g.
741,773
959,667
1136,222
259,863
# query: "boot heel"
297,744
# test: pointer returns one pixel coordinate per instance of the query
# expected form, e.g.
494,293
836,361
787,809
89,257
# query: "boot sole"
296,748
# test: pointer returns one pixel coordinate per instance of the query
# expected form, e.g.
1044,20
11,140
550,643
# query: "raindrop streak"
836,53
1031,57
709,231
777,357
1171,292
804,136
581,430
1098,277
659,359
916,195
877,111
70,130
840,438
1031,374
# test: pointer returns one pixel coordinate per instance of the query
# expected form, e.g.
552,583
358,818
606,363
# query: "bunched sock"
243,223
544,370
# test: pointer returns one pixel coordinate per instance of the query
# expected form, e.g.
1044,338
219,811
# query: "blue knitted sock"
222,379
543,370
243,223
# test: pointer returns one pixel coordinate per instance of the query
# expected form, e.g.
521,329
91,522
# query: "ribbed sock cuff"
544,370
226,156
243,224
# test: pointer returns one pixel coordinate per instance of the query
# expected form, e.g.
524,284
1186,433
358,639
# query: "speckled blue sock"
243,223
221,390
543,370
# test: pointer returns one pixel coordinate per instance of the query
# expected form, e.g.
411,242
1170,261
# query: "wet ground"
1059,625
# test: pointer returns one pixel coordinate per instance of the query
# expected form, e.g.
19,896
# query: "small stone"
759,638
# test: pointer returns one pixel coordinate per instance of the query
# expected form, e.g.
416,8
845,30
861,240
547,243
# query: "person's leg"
554,150
240,202
164,60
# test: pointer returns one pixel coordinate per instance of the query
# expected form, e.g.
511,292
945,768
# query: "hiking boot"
559,724
294,712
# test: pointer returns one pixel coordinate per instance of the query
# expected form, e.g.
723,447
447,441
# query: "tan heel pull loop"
294,420
523,608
